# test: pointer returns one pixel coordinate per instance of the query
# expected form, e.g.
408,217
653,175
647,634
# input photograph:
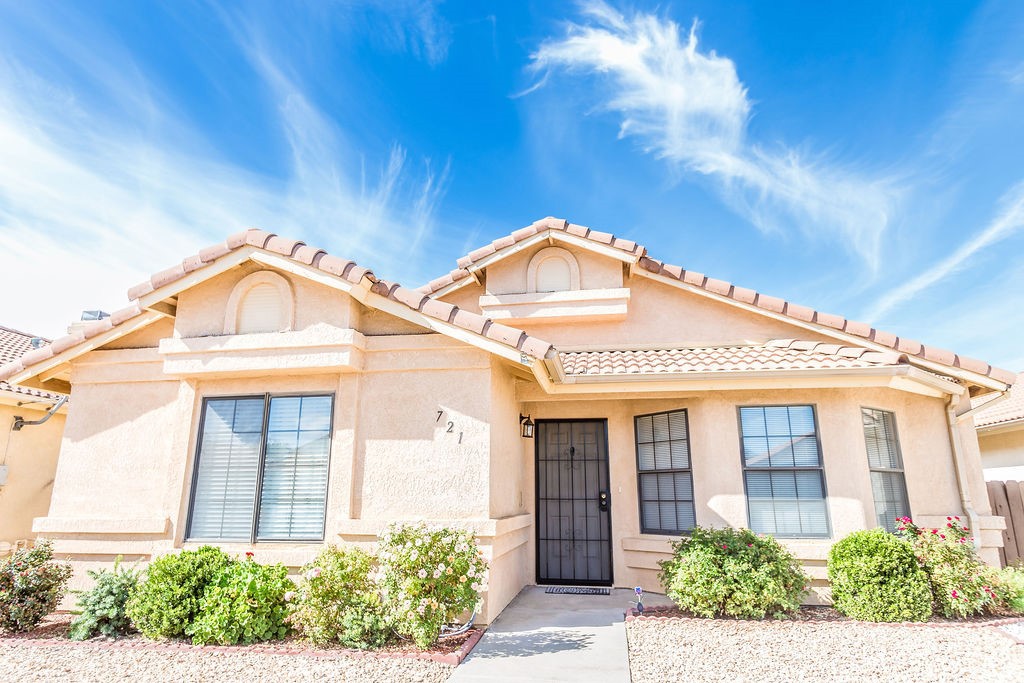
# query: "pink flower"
957,518
935,531
725,547
313,573
750,545
942,536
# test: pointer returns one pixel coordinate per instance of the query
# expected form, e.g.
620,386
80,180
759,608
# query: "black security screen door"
573,517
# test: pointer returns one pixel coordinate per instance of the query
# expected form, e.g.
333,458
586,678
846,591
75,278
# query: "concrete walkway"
551,637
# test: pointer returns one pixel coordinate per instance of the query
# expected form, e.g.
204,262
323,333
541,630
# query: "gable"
739,312
201,295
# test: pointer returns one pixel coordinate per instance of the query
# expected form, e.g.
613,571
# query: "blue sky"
864,158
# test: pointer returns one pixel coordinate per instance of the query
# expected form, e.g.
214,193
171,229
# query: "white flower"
422,573
313,573
289,596
415,554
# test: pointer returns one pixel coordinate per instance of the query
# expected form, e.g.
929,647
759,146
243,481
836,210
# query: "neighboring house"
1001,436
268,397
28,455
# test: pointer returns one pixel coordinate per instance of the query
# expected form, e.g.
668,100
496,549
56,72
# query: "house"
28,454
574,401
1001,436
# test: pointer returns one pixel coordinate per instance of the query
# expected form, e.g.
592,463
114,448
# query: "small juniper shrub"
733,572
1010,589
876,577
337,600
244,603
962,585
102,608
167,601
31,586
428,576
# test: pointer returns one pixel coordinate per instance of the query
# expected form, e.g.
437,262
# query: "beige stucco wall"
718,474
657,314
31,458
124,476
1002,453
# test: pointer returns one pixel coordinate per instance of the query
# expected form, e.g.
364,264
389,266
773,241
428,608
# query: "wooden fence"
1007,499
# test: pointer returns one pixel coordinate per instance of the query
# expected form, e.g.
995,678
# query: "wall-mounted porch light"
526,426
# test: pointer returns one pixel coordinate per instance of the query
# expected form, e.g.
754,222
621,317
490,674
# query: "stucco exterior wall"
1002,454
31,459
658,315
718,473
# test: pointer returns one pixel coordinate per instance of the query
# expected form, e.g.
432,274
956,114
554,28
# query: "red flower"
949,519
942,536
935,531
957,518
250,554
725,547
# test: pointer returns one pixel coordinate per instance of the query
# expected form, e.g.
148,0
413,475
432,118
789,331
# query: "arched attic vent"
260,302
553,269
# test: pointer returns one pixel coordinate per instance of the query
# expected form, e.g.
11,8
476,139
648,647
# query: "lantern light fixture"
526,426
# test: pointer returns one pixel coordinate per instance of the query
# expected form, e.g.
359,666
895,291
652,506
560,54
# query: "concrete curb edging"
450,658
671,614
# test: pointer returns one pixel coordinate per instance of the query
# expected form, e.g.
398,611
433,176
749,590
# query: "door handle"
602,501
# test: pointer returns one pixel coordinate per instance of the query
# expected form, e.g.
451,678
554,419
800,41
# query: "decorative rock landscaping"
665,648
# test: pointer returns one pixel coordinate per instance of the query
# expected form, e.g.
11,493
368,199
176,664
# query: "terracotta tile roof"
777,354
301,253
14,345
769,304
544,224
1008,410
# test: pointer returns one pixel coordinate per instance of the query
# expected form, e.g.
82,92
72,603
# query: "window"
261,469
664,476
888,484
782,471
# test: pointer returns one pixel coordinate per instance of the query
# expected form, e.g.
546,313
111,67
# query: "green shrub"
733,572
337,600
1010,589
31,585
876,577
244,603
961,584
167,601
103,606
428,577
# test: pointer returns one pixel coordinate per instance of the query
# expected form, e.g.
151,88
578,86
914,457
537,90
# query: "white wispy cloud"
690,108
1008,221
98,192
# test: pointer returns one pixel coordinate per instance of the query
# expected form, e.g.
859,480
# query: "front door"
573,516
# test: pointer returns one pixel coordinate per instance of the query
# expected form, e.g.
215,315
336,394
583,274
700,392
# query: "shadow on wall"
532,643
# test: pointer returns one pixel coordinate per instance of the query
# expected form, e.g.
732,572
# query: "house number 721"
451,425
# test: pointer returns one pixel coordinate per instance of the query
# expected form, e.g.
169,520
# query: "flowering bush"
733,572
428,577
876,577
167,602
103,607
337,600
244,603
961,583
31,585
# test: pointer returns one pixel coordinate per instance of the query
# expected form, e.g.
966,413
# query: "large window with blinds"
888,483
782,471
665,479
261,469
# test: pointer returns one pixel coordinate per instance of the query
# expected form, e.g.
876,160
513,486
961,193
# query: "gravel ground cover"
35,657
670,649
